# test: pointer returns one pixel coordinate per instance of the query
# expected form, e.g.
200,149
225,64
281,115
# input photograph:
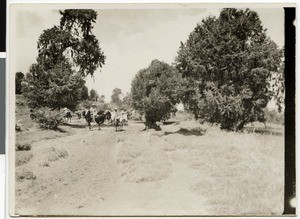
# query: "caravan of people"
92,116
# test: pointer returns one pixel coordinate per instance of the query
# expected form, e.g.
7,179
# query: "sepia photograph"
146,109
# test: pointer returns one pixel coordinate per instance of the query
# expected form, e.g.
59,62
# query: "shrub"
18,128
48,118
24,174
23,147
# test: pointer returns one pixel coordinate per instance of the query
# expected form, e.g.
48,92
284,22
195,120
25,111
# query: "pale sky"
130,38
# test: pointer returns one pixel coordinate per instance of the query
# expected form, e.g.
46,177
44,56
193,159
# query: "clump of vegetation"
48,118
24,174
154,92
55,154
230,70
18,128
23,147
23,158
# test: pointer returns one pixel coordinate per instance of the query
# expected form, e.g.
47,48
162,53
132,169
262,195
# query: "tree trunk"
152,125
240,126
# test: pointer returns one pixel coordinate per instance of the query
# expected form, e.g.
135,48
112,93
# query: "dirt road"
137,172
92,180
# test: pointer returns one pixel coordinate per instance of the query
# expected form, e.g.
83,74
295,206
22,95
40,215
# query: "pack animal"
100,117
88,118
67,115
78,115
121,120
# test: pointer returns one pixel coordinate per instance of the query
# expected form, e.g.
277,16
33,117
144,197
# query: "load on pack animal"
67,114
99,118
121,120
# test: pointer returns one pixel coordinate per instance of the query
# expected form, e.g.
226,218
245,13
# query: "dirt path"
90,180
137,172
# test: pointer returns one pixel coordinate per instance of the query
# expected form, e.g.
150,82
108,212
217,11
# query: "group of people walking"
115,117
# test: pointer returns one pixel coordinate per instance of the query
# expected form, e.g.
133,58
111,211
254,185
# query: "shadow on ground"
188,132
264,131
80,126
171,122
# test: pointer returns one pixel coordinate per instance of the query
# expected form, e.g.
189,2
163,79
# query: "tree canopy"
94,96
84,93
154,92
73,40
66,55
56,88
230,69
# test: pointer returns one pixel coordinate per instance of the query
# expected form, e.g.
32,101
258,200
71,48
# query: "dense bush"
23,147
18,128
47,118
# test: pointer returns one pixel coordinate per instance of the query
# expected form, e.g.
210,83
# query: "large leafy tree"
74,40
66,55
230,69
56,88
154,92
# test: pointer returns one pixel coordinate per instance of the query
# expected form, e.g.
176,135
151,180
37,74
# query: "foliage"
230,69
94,96
66,54
127,102
102,99
74,40
115,97
48,118
85,104
18,128
272,116
154,92
56,88
19,79
23,147
84,93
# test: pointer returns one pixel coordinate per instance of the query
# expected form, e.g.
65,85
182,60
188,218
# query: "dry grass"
23,157
238,173
51,154
187,164
142,159
235,173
